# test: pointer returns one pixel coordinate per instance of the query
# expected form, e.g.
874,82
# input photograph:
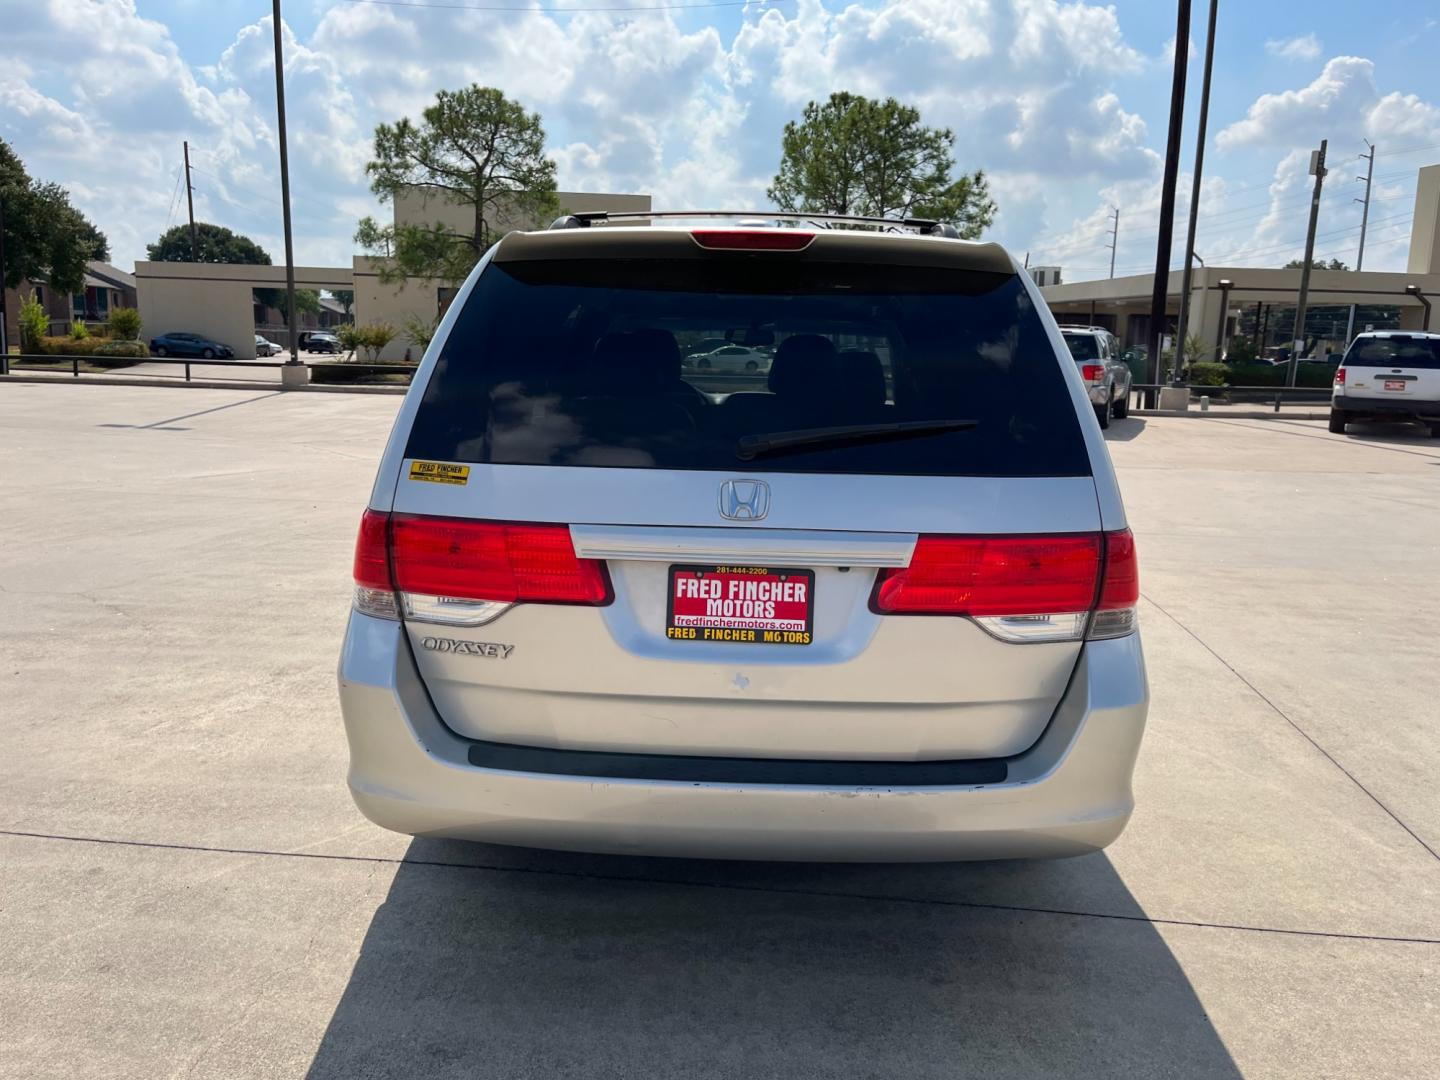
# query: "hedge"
102,352
1310,376
359,373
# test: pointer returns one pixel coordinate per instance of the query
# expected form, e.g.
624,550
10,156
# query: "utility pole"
1161,290
1317,169
1181,326
190,200
4,342
1114,237
285,188
1364,221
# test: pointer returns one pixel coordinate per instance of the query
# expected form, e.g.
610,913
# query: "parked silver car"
1106,374
872,611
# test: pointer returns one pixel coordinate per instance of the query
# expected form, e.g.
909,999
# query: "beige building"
1217,293
216,300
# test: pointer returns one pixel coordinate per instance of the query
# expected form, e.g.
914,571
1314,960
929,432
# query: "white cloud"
1341,103
1036,92
1304,47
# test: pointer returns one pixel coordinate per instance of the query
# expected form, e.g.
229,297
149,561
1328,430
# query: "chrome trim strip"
802,546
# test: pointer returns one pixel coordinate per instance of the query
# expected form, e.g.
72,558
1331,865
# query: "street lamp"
1414,290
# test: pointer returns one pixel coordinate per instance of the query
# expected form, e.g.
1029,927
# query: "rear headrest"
803,364
637,361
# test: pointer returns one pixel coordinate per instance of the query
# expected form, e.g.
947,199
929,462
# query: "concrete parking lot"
187,890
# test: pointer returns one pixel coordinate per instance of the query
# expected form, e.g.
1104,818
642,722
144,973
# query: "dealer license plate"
750,605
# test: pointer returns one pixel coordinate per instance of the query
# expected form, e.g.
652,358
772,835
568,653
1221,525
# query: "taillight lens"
374,591
1120,590
1019,588
1340,376
994,575
1092,372
465,573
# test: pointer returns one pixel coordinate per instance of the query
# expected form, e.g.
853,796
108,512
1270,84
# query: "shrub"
78,330
349,337
135,350
64,346
124,324
359,374
34,323
1256,375
1242,351
421,331
1209,374
374,337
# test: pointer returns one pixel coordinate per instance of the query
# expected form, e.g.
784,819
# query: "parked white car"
1388,375
730,360
1097,354
265,347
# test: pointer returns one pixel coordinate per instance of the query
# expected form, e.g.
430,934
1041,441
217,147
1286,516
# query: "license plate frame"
740,625
1395,384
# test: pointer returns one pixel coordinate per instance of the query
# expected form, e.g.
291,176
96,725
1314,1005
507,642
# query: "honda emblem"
744,500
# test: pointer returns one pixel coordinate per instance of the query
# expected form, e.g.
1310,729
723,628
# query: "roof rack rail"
923,226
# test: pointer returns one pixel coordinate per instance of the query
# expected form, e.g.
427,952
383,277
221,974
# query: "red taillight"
1121,588
1340,376
1092,372
372,557
494,561
752,239
994,575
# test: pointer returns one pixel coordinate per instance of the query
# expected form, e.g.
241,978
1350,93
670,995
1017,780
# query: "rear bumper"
1067,795
1386,407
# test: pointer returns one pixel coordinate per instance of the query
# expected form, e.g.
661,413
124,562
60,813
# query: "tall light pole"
4,342
1364,221
1317,170
1114,237
1180,327
1161,290
285,189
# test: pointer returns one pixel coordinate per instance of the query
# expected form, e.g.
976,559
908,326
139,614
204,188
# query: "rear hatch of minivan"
885,545
1396,370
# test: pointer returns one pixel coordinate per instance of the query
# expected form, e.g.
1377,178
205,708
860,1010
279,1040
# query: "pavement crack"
690,883
1302,732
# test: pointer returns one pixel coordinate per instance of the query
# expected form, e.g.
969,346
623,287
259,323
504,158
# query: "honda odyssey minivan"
877,602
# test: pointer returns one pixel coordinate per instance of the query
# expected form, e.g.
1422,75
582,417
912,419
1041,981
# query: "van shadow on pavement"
546,964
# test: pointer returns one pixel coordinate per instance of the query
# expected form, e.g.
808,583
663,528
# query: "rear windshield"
1394,352
667,364
1083,346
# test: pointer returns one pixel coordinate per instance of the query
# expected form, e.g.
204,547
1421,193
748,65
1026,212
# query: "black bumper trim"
1427,411
723,770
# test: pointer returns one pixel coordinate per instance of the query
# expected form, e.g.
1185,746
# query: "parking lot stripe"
1303,733
824,894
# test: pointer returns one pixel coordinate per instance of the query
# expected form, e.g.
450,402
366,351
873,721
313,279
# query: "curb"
204,384
1248,414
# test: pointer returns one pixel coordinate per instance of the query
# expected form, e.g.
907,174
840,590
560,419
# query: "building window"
40,294
102,300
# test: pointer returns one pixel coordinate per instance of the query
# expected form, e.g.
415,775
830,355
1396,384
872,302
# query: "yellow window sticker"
439,472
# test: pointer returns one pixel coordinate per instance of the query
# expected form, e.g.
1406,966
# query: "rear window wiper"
750,447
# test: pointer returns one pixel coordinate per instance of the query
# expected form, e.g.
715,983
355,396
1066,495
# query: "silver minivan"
876,602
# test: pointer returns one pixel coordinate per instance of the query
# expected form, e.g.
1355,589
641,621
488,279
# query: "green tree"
345,298
307,301
857,155
45,237
1315,264
217,244
478,149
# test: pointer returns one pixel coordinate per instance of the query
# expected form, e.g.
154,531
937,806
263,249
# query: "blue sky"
1064,104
